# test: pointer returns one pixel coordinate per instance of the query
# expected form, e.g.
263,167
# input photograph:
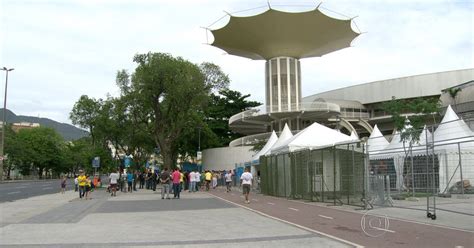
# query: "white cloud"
63,49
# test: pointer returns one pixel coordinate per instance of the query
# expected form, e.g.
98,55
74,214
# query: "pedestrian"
228,180
135,179
114,177
129,181
176,183
246,182
76,184
192,183
165,183
63,185
181,181
88,187
208,178
197,178
214,179
82,181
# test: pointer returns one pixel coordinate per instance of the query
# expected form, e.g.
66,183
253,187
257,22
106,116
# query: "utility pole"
4,122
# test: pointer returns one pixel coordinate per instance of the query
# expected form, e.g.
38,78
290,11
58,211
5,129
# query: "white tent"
376,141
312,137
284,136
354,136
454,145
271,141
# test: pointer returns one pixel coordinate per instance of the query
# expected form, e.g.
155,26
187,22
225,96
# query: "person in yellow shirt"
208,178
82,180
181,181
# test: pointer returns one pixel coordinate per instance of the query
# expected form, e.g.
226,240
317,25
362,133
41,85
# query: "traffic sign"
96,162
127,162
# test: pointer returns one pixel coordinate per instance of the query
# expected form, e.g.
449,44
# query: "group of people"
172,182
83,184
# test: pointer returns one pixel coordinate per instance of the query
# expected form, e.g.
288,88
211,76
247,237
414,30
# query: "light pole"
4,123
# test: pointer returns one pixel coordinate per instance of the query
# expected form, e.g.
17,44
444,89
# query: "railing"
253,139
263,110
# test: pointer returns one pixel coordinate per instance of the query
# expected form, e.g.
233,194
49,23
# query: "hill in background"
67,131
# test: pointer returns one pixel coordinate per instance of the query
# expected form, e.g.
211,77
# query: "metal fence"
332,174
440,166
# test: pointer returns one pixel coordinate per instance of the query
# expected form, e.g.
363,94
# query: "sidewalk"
143,219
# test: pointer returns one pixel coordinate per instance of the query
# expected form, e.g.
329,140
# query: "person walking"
176,183
88,187
76,184
63,185
81,179
165,184
114,177
246,182
214,179
208,178
192,182
130,181
228,180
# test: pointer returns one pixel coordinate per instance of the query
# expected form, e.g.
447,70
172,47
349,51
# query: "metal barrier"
333,174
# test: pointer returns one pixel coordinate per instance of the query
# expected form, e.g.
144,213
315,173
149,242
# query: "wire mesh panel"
331,174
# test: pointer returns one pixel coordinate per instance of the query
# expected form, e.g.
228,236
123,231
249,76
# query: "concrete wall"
405,87
225,158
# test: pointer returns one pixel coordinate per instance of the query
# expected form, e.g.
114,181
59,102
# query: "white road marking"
255,200
11,193
47,188
294,209
21,187
381,229
324,216
271,203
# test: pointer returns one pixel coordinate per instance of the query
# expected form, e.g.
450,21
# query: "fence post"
334,175
460,169
412,171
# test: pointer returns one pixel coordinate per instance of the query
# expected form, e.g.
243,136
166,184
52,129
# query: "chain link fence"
333,174
436,172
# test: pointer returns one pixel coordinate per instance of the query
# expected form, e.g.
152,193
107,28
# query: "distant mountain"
67,131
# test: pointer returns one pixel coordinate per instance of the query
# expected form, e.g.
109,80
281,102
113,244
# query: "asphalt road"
12,191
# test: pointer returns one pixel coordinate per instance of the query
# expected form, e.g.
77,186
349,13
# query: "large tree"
41,149
170,94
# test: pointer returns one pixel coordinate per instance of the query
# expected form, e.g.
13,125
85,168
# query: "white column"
270,85
279,84
288,82
297,83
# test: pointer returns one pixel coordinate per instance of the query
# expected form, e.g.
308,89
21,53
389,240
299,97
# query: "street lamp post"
4,122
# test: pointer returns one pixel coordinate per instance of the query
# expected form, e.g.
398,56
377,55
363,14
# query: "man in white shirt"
246,182
228,180
192,182
114,176
197,179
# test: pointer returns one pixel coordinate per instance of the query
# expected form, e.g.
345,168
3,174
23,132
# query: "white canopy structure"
354,136
284,136
376,141
312,137
454,145
271,141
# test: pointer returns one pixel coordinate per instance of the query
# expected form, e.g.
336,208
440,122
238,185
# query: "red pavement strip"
345,226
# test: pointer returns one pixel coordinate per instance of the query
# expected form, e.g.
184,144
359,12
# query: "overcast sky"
62,49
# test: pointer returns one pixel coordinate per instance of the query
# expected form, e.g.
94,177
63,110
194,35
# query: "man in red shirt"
176,182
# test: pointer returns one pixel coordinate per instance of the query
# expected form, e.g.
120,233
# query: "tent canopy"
284,136
313,137
452,130
271,141
376,141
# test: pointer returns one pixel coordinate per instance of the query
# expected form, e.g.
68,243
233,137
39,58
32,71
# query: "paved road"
347,225
24,189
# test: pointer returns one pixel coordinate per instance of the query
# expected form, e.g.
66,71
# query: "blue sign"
127,162
147,165
96,162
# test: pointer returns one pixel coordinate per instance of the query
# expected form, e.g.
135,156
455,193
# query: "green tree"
222,106
85,113
453,93
41,149
411,126
170,91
